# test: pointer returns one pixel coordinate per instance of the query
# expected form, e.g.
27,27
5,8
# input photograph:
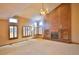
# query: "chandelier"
43,10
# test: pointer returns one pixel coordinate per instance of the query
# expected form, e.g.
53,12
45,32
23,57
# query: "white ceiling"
23,9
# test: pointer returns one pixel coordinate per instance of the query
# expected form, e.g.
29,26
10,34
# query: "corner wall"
75,22
4,31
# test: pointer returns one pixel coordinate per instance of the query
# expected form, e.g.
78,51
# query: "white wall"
75,22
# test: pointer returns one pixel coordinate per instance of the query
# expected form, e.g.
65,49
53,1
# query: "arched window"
13,28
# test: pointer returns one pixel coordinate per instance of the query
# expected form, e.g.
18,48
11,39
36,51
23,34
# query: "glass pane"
24,31
35,30
32,31
40,30
13,20
35,24
15,31
11,31
28,31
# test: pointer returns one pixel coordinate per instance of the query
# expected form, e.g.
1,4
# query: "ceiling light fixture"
43,10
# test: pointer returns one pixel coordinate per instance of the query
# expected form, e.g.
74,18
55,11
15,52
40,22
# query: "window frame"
26,31
13,32
12,24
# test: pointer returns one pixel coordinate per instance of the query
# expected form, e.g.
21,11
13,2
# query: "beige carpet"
39,47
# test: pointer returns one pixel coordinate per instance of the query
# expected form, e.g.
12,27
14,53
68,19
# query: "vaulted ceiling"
23,9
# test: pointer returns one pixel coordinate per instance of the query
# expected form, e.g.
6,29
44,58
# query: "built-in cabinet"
65,22
60,20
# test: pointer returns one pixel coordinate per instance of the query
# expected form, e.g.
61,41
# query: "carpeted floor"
39,47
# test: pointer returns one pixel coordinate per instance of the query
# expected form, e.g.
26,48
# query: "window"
13,32
35,30
13,20
40,30
26,31
13,28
